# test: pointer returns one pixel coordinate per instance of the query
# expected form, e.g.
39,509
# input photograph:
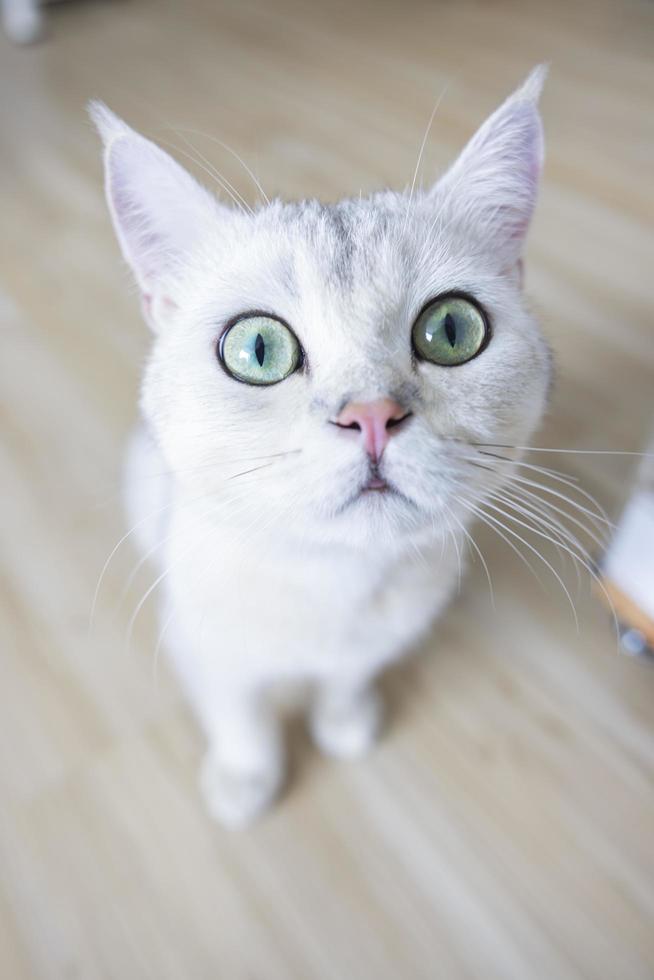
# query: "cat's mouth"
376,483
378,486
376,493
374,489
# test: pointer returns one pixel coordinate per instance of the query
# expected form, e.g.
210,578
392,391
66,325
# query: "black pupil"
260,349
450,329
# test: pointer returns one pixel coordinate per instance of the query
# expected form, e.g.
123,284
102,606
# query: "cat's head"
349,357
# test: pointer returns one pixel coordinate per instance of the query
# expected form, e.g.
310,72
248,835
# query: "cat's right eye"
259,350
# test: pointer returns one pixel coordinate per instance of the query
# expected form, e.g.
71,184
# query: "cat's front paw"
347,729
236,798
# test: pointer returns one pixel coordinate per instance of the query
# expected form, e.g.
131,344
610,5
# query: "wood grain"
504,828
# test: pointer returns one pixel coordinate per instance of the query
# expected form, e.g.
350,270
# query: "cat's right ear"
158,210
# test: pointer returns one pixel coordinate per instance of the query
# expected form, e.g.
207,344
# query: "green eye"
259,350
450,331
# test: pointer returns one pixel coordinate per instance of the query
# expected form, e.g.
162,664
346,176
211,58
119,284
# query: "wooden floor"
505,826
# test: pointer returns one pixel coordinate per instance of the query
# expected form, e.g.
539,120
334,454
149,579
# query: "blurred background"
504,827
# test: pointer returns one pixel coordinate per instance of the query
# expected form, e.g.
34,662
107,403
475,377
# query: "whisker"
218,174
590,565
211,171
113,552
557,475
587,565
421,152
160,578
518,462
158,511
216,504
472,541
458,553
217,464
483,518
214,169
543,520
520,538
253,469
226,146
533,497
601,517
578,452
530,509
148,592
516,495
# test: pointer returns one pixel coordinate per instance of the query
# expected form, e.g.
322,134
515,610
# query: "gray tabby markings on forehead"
346,235
287,275
341,228
358,232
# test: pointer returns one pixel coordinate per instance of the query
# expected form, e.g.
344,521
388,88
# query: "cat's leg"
244,768
346,717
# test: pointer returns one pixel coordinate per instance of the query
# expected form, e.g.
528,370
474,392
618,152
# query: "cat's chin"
381,517
373,503
378,496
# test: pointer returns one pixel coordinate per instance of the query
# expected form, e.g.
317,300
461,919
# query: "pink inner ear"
165,306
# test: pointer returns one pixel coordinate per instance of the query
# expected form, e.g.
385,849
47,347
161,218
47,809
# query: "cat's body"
326,617
309,525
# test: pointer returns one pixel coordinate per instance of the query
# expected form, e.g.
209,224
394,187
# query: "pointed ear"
490,191
158,210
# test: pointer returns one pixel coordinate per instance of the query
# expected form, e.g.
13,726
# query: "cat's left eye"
259,350
450,331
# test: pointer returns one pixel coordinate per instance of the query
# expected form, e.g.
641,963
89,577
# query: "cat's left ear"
490,191
159,211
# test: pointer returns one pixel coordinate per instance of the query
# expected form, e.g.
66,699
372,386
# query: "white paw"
236,798
347,731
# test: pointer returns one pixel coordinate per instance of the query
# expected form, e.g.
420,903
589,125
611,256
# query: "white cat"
321,379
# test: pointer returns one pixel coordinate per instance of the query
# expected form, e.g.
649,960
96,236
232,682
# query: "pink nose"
376,420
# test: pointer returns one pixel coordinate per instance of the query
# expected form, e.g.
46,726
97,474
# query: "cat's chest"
293,606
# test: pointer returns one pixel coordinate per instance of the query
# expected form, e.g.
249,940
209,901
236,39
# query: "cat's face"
279,334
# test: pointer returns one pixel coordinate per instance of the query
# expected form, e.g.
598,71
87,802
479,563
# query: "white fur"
285,572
